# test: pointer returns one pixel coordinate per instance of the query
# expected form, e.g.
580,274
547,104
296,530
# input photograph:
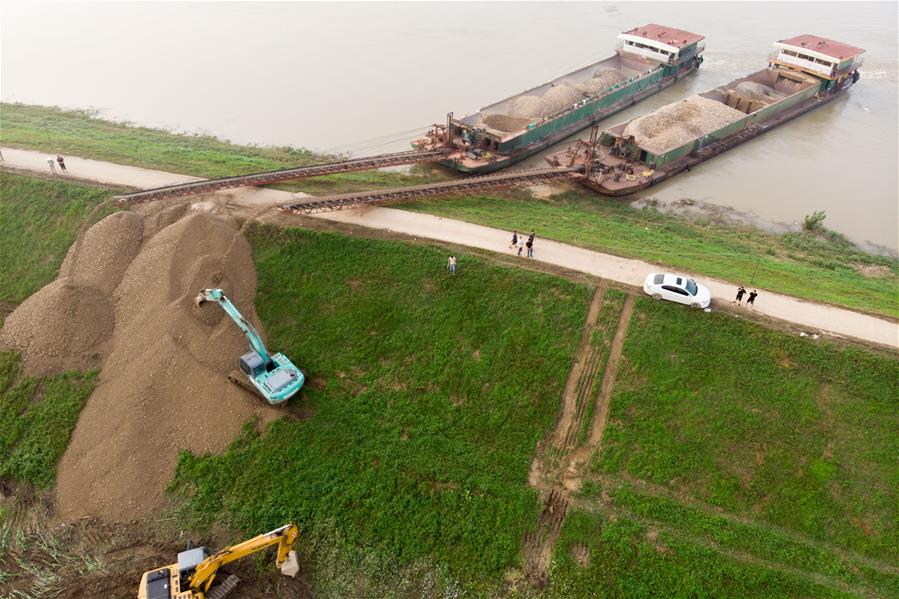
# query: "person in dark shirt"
740,291
61,161
751,300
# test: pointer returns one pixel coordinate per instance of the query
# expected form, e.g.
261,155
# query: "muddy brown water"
364,78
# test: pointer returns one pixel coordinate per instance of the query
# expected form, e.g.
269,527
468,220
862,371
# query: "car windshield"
691,287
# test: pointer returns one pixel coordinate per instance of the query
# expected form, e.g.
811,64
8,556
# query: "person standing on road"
740,291
452,265
61,161
52,162
751,300
520,244
530,244
514,239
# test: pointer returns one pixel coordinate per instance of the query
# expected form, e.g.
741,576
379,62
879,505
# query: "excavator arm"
252,335
283,537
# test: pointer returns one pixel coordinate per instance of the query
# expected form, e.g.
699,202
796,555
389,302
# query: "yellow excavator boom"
193,576
206,570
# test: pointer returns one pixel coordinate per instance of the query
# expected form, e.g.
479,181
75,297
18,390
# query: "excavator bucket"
200,299
291,565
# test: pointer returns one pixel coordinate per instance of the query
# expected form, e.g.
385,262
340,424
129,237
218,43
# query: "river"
364,78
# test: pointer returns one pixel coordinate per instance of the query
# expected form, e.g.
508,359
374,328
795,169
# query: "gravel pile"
64,326
506,123
124,302
163,387
602,80
677,124
562,96
530,107
100,257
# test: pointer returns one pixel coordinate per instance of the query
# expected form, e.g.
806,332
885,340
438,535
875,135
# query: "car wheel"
656,296
695,305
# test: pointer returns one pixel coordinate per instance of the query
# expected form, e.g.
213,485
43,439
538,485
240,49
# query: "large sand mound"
101,256
601,81
124,299
677,124
61,327
562,96
530,106
164,386
502,122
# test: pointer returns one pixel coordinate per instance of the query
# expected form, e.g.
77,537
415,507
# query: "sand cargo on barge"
804,73
647,60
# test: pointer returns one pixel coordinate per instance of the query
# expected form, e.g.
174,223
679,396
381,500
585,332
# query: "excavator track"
461,185
224,589
238,378
342,166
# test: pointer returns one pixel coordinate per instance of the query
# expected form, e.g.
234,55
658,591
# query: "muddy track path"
556,469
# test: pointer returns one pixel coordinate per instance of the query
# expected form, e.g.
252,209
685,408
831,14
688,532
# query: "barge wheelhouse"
647,60
804,72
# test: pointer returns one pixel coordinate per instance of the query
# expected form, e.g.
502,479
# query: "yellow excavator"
194,576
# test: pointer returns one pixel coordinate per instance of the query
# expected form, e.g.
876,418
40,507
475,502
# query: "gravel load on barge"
804,72
647,60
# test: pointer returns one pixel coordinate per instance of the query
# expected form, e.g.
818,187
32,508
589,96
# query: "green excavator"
273,376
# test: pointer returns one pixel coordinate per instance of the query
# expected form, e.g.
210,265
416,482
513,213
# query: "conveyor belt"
355,164
461,185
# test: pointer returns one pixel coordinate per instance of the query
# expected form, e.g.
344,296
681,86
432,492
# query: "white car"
677,288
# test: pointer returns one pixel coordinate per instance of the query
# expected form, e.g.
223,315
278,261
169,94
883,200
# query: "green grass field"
429,394
37,416
737,462
769,459
80,133
824,268
39,220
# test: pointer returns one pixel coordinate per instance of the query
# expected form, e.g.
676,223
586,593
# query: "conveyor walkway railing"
461,185
343,166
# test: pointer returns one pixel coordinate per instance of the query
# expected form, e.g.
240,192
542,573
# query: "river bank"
821,266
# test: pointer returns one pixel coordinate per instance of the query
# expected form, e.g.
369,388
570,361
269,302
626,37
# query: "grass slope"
39,220
429,394
79,132
619,560
37,416
738,462
824,268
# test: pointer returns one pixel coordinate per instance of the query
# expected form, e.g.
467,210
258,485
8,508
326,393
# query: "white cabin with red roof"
661,43
817,56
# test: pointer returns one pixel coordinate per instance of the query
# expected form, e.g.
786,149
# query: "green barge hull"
808,72
648,59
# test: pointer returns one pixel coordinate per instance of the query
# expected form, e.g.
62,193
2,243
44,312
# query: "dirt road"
810,316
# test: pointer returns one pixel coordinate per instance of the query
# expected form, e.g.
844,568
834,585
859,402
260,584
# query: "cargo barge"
647,60
803,73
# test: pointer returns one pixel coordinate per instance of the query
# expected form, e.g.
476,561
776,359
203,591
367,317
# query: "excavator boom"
195,573
273,376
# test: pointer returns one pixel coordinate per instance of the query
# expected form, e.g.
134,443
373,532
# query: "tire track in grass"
551,469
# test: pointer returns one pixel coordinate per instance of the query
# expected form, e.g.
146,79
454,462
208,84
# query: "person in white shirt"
51,160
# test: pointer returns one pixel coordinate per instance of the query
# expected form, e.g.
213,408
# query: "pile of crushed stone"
64,326
677,124
530,107
562,96
125,293
502,122
602,80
